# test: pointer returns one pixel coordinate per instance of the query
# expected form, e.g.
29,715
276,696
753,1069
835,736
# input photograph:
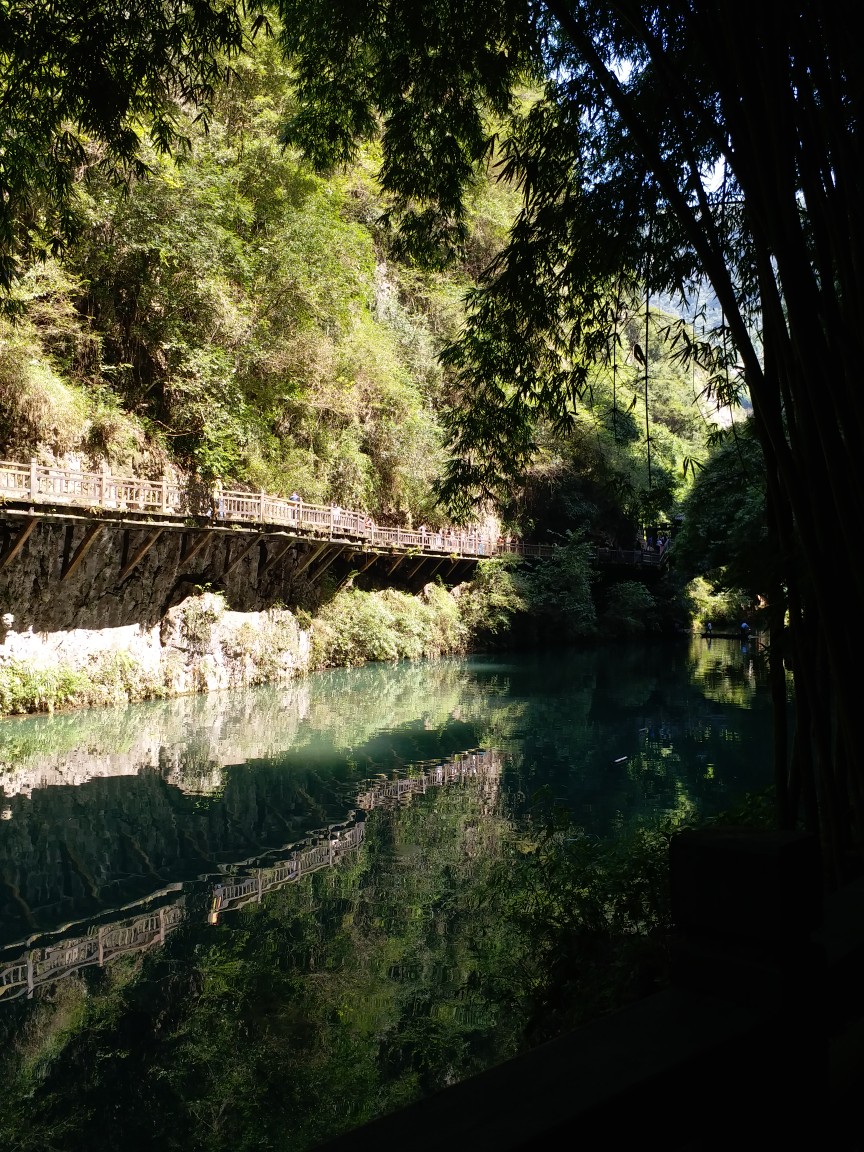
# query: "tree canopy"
676,144
82,84
657,147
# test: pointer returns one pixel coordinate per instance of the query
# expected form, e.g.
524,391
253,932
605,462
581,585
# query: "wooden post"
416,567
139,555
275,558
319,571
261,509
164,493
241,555
193,549
81,551
20,540
34,478
309,559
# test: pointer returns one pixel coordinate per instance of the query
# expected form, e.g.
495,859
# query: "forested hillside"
233,315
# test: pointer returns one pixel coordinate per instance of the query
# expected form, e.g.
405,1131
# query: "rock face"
214,621
205,647
99,593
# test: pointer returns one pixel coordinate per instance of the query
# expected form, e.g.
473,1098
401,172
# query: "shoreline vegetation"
202,646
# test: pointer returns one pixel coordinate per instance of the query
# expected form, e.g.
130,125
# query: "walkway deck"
35,490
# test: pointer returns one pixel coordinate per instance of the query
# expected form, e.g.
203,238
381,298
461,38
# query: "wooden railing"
114,496
472,766
327,849
323,852
628,556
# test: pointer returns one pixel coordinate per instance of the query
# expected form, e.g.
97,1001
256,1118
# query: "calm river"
256,919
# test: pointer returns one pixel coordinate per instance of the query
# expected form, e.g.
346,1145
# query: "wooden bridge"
52,961
30,492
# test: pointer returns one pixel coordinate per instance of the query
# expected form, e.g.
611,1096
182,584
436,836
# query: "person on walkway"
218,499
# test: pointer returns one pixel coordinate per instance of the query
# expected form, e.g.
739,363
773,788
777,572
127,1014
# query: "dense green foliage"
727,150
230,313
226,312
233,315
356,626
724,535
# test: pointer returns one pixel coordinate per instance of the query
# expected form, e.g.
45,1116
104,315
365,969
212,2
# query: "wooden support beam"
453,567
358,571
417,567
241,555
13,550
395,565
311,557
322,568
436,567
187,551
90,538
276,558
138,555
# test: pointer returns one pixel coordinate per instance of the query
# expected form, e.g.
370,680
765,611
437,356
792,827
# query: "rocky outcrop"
172,626
205,647
200,646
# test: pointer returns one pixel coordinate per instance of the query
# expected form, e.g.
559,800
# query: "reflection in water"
104,809
272,918
40,966
106,941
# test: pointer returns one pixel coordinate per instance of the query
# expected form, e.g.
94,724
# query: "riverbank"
201,645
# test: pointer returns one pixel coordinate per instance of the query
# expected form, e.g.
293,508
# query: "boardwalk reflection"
46,963
52,962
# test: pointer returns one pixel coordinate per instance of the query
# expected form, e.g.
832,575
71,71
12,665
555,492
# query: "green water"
220,926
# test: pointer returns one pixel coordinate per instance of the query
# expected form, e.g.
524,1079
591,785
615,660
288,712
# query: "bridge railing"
43,484
634,556
103,491
326,849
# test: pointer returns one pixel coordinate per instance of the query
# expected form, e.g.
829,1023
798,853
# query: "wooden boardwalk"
127,500
32,491
49,962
